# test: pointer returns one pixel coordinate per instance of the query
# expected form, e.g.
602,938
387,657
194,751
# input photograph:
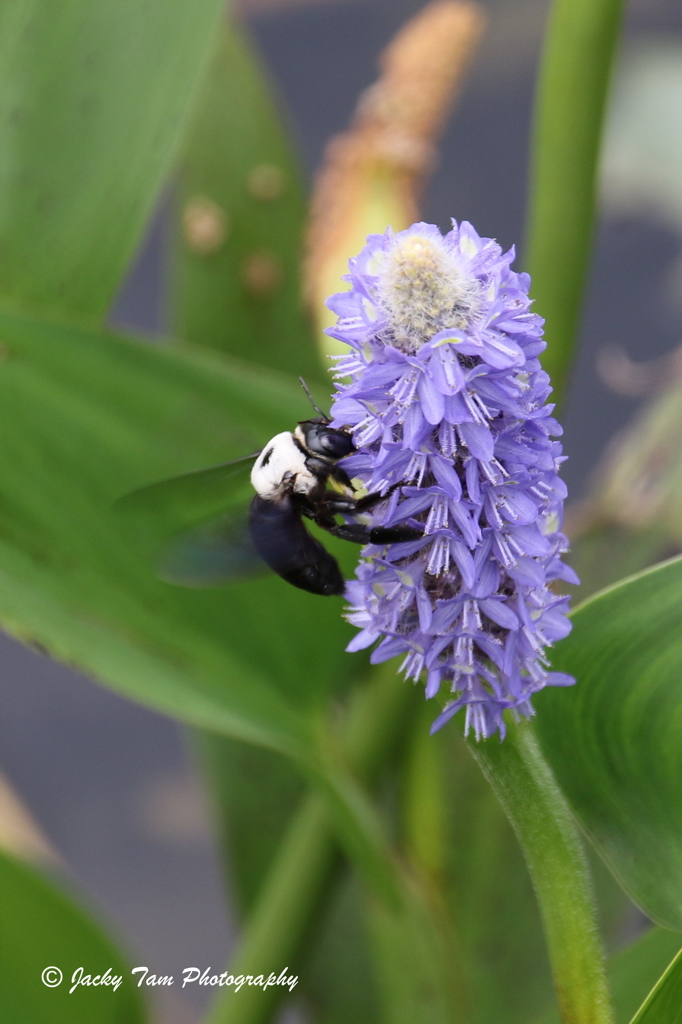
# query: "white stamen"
416,468
438,515
439,558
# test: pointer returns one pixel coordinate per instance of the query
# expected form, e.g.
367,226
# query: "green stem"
571,99
303,869
538,812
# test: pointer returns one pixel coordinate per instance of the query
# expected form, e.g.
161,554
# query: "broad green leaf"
664,1003
40,928
615,740
86,418
82,413
93,96
634,971
239,219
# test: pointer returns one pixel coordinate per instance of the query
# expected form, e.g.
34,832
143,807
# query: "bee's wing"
183,501
194,527
213,555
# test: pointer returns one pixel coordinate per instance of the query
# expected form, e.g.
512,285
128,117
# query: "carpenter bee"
291,477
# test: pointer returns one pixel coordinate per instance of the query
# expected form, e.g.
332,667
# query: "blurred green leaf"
81,414
238,201
360,828
40,927
238,194
615,740
416,979
297,886
239,219
340,982
664,1003
87,417
634,971
569,110
93,96
254,793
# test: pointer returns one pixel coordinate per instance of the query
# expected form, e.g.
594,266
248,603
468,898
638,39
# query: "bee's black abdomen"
282,541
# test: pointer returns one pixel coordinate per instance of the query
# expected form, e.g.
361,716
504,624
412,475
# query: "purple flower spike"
446,402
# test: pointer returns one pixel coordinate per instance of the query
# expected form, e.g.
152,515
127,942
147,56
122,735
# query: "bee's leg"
359,534
353,532
339,504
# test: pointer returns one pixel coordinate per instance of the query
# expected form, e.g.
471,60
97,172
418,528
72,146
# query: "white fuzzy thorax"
280,468
425,288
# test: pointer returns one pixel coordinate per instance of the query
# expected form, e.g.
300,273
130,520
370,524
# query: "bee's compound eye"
323,440
336,444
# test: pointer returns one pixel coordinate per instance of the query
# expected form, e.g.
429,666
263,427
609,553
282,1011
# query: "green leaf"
569,111
664,1003
87,417
634,971
82,414
339,978
361,832
239,220
222,212
254,793
298,878
417,982
40,927
93,96
615,740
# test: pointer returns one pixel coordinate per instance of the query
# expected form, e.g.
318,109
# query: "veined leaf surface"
84,419
615,740
93,98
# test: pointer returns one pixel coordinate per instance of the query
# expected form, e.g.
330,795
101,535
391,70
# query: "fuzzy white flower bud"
423,288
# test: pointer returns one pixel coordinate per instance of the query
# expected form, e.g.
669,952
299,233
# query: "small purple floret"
445,397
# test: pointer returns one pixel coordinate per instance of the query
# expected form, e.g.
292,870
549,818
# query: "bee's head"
322,440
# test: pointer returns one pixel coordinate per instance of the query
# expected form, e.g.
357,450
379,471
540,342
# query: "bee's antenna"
311,400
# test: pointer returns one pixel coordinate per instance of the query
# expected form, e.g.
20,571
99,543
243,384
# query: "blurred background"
112,785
